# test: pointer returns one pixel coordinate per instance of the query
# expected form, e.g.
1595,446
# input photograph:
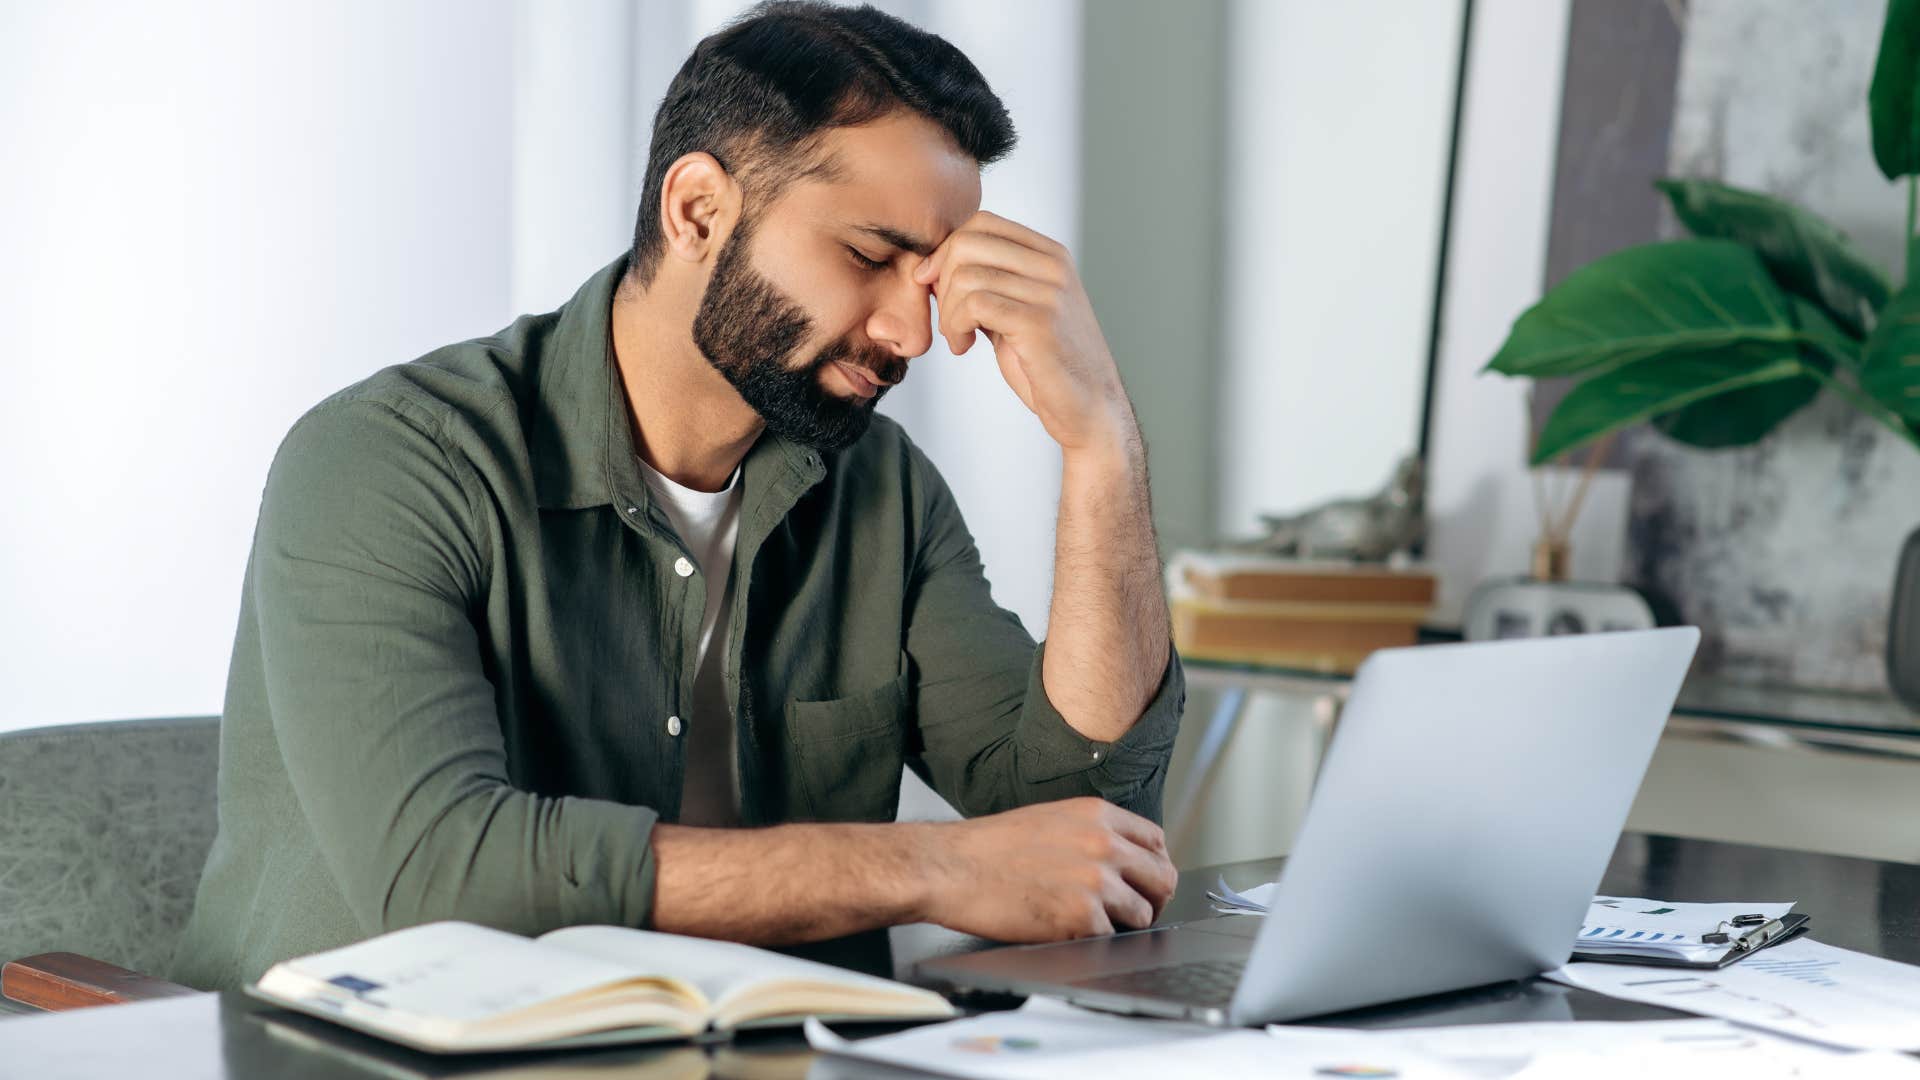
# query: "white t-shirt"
708,523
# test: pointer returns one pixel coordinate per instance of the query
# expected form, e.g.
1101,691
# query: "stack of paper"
1254,901
1631,926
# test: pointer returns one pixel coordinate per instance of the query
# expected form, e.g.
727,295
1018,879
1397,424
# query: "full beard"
748,330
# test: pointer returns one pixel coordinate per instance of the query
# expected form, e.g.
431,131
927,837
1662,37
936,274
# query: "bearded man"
633,612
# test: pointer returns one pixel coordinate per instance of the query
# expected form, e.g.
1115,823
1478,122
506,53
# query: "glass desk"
1875,725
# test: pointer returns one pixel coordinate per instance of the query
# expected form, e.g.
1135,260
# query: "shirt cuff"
1050,748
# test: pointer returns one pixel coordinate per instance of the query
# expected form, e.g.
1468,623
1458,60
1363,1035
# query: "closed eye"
865,263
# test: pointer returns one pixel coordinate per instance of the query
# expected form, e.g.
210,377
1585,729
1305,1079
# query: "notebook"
454,987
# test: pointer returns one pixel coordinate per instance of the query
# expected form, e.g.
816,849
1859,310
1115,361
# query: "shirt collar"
581,438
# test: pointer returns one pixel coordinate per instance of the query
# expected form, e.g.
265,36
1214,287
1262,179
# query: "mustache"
884,367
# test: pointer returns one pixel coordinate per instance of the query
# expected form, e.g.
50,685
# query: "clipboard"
1790,926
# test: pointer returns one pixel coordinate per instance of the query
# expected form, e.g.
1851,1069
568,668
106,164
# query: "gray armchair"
104,829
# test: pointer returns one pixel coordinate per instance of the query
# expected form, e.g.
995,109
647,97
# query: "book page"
720,968
447,971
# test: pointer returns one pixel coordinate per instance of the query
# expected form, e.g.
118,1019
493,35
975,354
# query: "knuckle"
1101,845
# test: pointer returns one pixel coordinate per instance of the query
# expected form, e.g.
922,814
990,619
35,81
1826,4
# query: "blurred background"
1306,227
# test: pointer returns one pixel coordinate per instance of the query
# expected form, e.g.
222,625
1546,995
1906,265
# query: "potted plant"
1717,339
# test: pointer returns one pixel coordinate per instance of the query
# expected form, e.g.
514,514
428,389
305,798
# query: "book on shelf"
454,987
1317,615
1270,579
1318,637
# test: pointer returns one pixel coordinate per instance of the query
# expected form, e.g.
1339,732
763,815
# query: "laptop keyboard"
1199,982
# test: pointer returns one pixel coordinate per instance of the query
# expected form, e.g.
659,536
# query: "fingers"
979,309
1149,873
1134,849
987,221
1125,906
964,278
1135,828
968,246
990,254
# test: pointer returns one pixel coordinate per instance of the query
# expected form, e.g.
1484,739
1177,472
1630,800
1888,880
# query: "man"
633,612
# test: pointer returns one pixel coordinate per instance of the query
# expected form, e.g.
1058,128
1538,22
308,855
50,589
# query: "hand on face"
1020,289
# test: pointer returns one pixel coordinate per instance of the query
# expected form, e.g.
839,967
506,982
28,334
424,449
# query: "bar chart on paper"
1806,970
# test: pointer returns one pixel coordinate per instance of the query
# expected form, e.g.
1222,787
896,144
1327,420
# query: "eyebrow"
898,239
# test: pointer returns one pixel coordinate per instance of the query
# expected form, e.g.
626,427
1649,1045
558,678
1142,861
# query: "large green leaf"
1893,98
1739,418
1820,335
1805,254
1641,391
1890,370
1744,417
1683,296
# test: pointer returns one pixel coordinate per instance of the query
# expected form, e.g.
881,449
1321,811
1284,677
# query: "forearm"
790,884
1107,637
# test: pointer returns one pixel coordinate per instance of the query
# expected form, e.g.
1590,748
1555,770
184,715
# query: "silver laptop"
1462,820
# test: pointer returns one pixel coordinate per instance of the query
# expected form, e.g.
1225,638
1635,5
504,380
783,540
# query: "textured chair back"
104,829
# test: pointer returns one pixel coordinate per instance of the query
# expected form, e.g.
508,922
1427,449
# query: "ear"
699,204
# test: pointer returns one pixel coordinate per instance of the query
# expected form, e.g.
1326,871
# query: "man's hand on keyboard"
1076,868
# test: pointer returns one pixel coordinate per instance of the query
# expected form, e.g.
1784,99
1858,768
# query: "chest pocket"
848,752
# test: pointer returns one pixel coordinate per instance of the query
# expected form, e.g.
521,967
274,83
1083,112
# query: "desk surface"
1861,904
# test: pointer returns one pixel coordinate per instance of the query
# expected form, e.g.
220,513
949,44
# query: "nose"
903,323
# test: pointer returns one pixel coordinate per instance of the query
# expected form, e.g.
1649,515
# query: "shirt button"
1096,755
682,567
673,726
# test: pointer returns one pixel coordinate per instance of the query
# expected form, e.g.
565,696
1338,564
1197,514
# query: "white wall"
575,130
1338,122
1477,496
214,215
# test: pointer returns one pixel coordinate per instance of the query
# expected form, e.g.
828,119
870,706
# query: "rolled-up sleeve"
989,739
367,564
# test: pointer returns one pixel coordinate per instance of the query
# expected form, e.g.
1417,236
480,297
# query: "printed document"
1801,988
1049,1040
1694,1049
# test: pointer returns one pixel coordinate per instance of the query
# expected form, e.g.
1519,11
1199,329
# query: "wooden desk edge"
58,981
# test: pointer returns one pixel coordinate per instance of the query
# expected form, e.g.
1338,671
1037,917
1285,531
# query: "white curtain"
212,215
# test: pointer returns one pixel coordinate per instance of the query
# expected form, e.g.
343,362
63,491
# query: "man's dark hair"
759,93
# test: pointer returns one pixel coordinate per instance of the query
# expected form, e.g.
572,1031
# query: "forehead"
900,172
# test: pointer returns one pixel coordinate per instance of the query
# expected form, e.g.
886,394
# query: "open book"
451,987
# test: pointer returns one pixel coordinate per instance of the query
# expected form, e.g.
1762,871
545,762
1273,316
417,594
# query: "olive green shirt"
467,631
